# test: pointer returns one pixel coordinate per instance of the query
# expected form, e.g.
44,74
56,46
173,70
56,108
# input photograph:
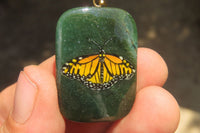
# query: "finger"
154,111
7,95
6,102
49,65
35,104
151,69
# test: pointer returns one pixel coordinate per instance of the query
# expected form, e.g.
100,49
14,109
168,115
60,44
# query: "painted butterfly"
99,71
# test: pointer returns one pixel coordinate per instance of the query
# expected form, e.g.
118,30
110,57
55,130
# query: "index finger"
151,69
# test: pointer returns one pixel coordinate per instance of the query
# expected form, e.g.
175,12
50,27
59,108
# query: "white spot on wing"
121,57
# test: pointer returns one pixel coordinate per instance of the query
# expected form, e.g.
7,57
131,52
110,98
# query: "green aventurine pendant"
96,59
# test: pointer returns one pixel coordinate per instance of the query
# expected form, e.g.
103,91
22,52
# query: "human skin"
31,104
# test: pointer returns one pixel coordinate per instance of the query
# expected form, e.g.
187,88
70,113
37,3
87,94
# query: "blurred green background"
171,27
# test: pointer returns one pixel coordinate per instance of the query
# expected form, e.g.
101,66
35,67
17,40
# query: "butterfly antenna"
90,40
107,42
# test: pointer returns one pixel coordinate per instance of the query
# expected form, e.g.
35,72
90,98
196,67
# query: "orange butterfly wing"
119,67
80,67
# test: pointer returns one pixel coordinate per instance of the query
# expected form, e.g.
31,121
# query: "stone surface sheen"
75,30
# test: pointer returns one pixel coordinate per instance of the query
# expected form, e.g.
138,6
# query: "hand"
31,105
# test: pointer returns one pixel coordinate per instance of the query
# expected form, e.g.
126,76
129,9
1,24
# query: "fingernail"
25,95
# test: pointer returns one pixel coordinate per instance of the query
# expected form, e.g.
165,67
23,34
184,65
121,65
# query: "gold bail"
100,3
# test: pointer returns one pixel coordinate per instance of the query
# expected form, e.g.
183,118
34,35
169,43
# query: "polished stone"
85,32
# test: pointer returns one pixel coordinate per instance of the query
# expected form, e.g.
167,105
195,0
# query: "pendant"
96,59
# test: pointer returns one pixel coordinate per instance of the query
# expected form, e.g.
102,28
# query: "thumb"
35,106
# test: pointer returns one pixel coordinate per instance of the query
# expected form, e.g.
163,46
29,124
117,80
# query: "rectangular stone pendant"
96,59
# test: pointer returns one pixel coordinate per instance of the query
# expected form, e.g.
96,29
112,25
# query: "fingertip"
46,109
152,69
25,95
165,110
49,65
158,107
45,82
154,110
39,75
